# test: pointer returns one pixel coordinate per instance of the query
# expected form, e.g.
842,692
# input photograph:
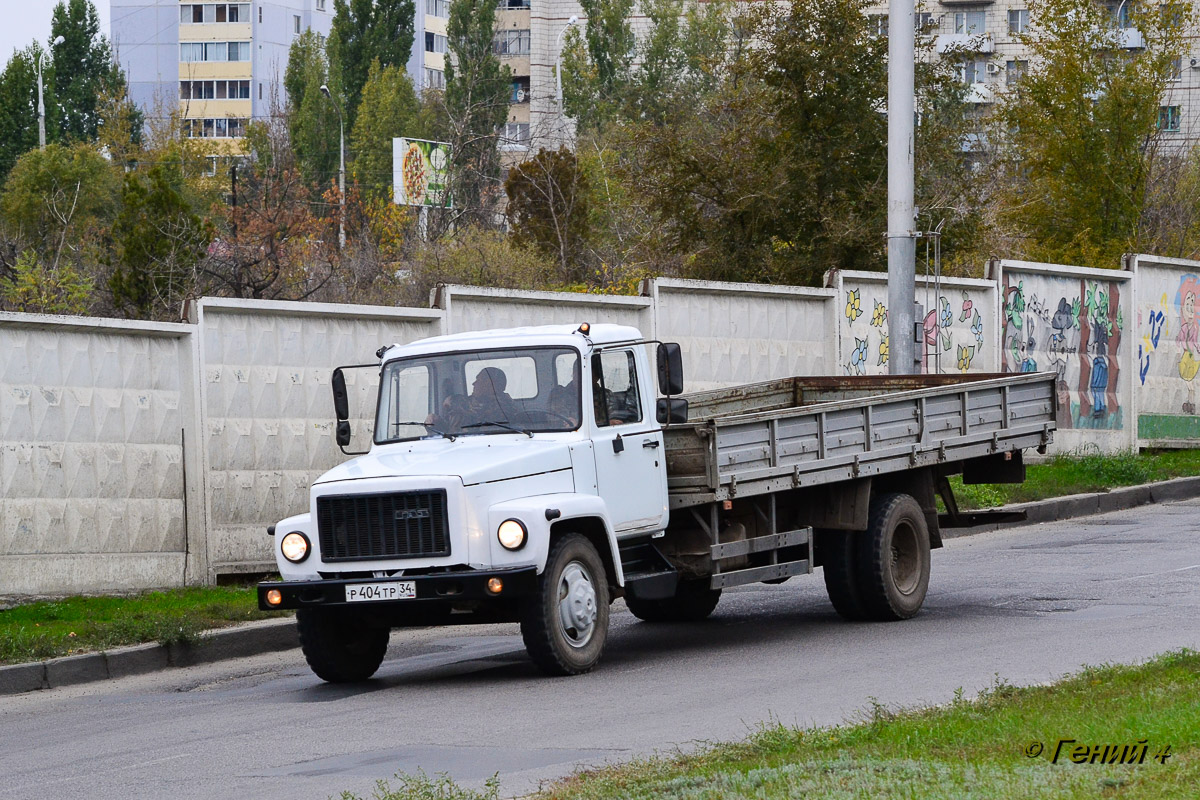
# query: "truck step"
762,544
787,569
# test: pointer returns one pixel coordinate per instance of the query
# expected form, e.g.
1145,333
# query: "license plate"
375,592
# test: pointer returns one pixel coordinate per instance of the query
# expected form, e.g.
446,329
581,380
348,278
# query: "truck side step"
762,544
787,569
648,575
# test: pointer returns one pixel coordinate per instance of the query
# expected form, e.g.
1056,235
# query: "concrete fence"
136,455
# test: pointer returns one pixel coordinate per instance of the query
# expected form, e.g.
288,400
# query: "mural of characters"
1064,322
1099,380
1019,343
1100,337
1188,337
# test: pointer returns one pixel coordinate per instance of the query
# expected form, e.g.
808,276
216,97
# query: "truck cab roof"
532,336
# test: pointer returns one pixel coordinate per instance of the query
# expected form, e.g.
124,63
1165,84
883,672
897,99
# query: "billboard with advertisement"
420,173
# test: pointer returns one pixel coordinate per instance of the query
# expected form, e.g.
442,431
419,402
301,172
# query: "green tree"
597,63
389,108
18,107
548,208
58,197
157,241
477,98
312,118
37,288
84,72
365,31
1082,132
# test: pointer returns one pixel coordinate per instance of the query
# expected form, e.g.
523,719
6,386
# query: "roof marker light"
585,328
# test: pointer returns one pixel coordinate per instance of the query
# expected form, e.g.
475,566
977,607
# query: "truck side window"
614,388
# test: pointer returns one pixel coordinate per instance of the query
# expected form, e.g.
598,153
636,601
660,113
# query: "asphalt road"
1027,605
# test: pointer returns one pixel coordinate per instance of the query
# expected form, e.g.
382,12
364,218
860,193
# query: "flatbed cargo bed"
798,432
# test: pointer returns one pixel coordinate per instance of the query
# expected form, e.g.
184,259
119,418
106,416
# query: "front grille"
375,526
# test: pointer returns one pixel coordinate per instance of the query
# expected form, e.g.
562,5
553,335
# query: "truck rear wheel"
692,602
893,558
339,648
839,558
565,625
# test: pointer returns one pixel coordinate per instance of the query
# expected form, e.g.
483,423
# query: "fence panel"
268,412
475,308
735,333
1073,321
1168,351
97,434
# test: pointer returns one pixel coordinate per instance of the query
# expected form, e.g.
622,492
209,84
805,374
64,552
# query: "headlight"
512,534
294,547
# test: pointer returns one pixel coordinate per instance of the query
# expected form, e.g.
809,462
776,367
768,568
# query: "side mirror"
670,369
341,402
671,410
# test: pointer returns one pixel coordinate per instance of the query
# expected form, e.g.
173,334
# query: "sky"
27,20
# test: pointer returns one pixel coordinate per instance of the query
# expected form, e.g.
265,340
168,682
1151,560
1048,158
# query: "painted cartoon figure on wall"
1188,337
1077,334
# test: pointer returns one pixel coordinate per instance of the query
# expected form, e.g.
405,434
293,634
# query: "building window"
970,22
1018,20
973,70
296,24
512,43
1175,70
515,136
520,91
260,15
199,13
877,24
1014,72
214,128
923,22
320,5
435,79
214,51
1119,14
1168,119
437,8
514,4
435,42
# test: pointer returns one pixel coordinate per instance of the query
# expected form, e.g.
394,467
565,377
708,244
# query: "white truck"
534,475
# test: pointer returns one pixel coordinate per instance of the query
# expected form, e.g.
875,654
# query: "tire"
565,624
893,559
693,601
839,557
339,648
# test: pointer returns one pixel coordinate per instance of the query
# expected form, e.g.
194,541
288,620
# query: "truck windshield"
527,390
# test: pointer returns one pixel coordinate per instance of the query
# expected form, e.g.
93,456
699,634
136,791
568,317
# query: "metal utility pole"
341,169
901,237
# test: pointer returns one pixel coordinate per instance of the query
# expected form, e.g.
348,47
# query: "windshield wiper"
499,425
429,428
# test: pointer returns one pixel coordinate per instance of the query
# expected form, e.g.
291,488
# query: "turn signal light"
274,597
495,585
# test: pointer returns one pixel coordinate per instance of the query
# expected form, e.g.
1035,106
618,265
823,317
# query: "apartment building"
427,64
982,38
219,65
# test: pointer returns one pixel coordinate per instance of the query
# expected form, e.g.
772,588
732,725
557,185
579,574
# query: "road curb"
1085,505
250,639
271,636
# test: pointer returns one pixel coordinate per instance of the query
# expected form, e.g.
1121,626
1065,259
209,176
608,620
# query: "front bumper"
441,588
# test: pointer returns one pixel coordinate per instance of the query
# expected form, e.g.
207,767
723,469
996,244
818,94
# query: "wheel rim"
577,605
906,559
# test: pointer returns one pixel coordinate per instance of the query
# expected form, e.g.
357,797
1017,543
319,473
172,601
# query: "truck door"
631,470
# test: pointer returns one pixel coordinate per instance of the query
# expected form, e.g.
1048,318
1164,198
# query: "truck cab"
493,454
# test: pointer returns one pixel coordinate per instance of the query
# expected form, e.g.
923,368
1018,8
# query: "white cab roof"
550,335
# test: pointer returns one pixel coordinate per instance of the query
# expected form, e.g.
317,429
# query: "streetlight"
341,170
558,61
41,101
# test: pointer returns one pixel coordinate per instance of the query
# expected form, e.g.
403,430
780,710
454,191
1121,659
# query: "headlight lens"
294,547
512,534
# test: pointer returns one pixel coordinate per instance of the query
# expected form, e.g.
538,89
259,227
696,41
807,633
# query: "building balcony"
980,93
964,43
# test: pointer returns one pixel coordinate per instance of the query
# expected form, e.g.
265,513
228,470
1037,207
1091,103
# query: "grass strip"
980,749
48,629
1065,475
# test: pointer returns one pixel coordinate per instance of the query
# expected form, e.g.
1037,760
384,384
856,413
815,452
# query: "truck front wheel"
565,624
339,648
893,559
692,602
